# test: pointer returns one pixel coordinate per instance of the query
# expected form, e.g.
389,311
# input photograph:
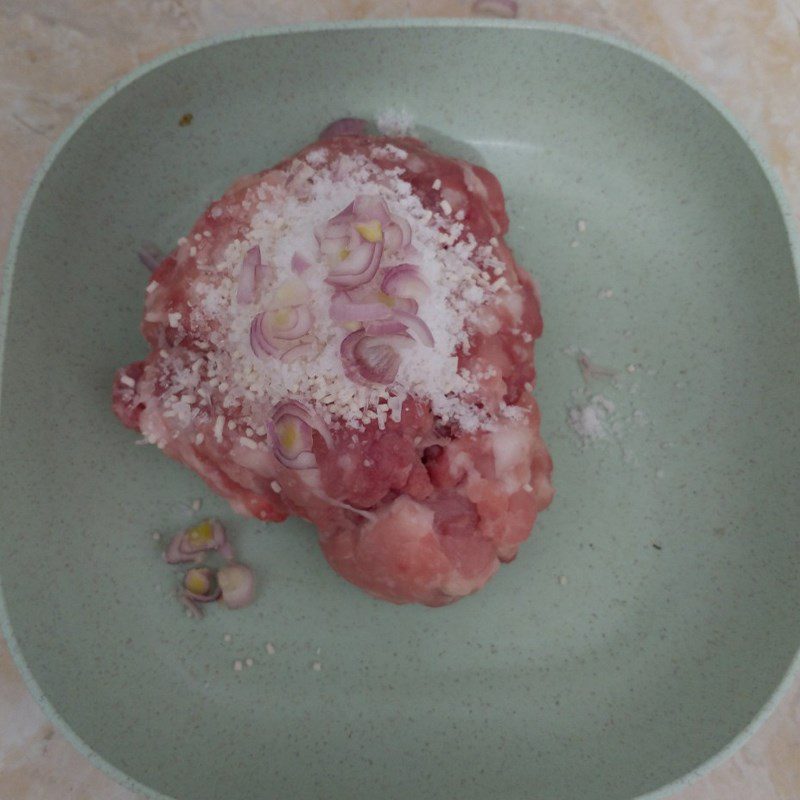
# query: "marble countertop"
56,55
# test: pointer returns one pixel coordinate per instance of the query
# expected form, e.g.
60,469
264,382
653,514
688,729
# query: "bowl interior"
654,610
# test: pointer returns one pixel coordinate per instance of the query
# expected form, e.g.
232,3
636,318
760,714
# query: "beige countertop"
56,55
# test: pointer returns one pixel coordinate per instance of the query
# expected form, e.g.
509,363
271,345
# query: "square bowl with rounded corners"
653,614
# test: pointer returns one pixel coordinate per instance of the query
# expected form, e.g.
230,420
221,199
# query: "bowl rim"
785,208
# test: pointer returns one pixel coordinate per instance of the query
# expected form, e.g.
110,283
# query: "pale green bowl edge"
5,302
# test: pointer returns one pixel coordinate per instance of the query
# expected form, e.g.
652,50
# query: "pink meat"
419,511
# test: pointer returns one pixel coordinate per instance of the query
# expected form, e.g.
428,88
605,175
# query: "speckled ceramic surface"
653,614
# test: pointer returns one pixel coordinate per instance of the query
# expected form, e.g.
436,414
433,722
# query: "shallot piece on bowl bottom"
347,337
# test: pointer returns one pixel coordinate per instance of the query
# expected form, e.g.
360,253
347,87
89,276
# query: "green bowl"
652,615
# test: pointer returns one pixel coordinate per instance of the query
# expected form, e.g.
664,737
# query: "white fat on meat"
511,448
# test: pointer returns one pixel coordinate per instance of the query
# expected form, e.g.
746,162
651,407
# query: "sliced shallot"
308,415
416,327
382,327
358,266
200,585
289,323
291,430
248,276
372,359
397,233
192,543
404,304
275,333
343,309
294,440
336,228
298,352
354,240
367,207
333,247
405,280
371,231
237,584
261,342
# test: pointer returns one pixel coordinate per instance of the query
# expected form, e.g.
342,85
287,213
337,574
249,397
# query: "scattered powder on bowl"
603,416
395,122
592,421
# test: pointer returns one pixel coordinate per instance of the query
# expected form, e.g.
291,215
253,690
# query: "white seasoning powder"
282,223
317,157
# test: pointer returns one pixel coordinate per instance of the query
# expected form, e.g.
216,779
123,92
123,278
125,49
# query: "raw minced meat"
346,337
